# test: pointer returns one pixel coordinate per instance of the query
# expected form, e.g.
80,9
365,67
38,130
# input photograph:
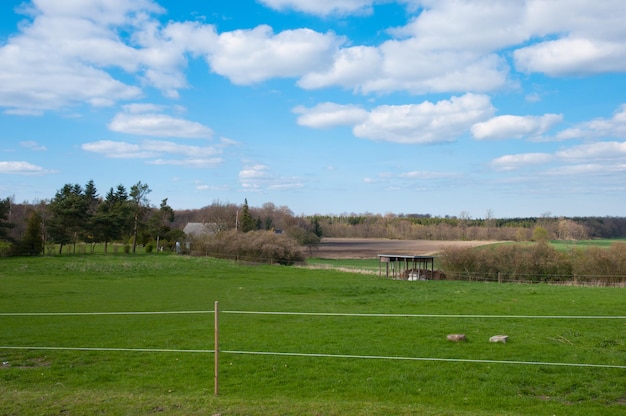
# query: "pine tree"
32,242
247,222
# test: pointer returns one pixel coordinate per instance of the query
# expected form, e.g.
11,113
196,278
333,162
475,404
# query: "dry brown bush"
257,246
538,262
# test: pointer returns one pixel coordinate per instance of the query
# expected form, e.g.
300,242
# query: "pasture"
348,344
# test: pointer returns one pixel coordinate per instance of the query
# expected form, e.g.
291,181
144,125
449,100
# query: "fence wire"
314,355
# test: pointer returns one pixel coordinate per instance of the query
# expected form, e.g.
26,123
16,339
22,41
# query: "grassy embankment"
34,382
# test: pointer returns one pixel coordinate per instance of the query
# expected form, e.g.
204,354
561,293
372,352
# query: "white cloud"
427,122
351,68
33,145
193,156
118,150
426,175
572,56
591,158
249,56
158,125
254,172
181,149
457,46
589,37
58,58
70,52
588,169
194,163
22,168
408,65
614,127
330,115
514,127
322,7
595,152
512,162
477,26
258,177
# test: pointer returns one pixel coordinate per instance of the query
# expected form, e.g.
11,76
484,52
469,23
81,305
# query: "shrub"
258,246
536,262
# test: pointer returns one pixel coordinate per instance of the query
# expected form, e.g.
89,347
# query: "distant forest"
412,226
78,213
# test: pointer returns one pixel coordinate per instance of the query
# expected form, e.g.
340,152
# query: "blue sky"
517,108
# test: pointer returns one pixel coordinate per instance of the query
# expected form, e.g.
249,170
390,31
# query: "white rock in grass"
499,338
456,337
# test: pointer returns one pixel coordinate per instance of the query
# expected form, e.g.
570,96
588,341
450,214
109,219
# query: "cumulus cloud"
322,7
118,150
450,46
249,56
456,46
158,125
426,122
40,72
193,163
515,127
589,38
408,65
423,123
614,127
590,158
158,152
259,177
327,114
33,145
594,151
71,53
350,68
22,168
512,162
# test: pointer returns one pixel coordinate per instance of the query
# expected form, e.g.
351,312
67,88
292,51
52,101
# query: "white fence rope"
102,313
331,314
297,354
406,315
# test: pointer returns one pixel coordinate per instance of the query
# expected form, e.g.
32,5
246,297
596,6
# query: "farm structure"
407,267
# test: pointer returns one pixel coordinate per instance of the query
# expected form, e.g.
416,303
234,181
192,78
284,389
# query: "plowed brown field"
357,248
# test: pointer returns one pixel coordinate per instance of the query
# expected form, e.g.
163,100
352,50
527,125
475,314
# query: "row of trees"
79,214
426,227
536,263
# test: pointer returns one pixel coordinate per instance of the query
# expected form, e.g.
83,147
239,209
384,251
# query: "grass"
565,245
37,382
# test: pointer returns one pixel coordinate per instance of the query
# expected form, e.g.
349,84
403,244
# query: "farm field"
359,248
343,343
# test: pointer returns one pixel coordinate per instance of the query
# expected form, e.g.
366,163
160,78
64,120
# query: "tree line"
539,262
79,214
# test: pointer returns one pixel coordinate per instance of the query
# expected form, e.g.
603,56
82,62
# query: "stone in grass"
456,337
499,338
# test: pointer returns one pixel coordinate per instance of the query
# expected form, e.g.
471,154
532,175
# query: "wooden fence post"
216,336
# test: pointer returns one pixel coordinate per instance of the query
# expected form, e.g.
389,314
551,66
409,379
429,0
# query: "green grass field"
162,364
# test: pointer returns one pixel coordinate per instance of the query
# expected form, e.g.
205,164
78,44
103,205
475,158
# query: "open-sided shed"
413,267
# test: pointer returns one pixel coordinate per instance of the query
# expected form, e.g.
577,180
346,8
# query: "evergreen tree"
32,242
5,224
139,200
69,212
317,228
247,222
112,218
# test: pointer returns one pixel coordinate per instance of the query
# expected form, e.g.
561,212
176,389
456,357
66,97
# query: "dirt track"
355,248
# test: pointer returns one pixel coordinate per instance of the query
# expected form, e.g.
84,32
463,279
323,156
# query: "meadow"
345,343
